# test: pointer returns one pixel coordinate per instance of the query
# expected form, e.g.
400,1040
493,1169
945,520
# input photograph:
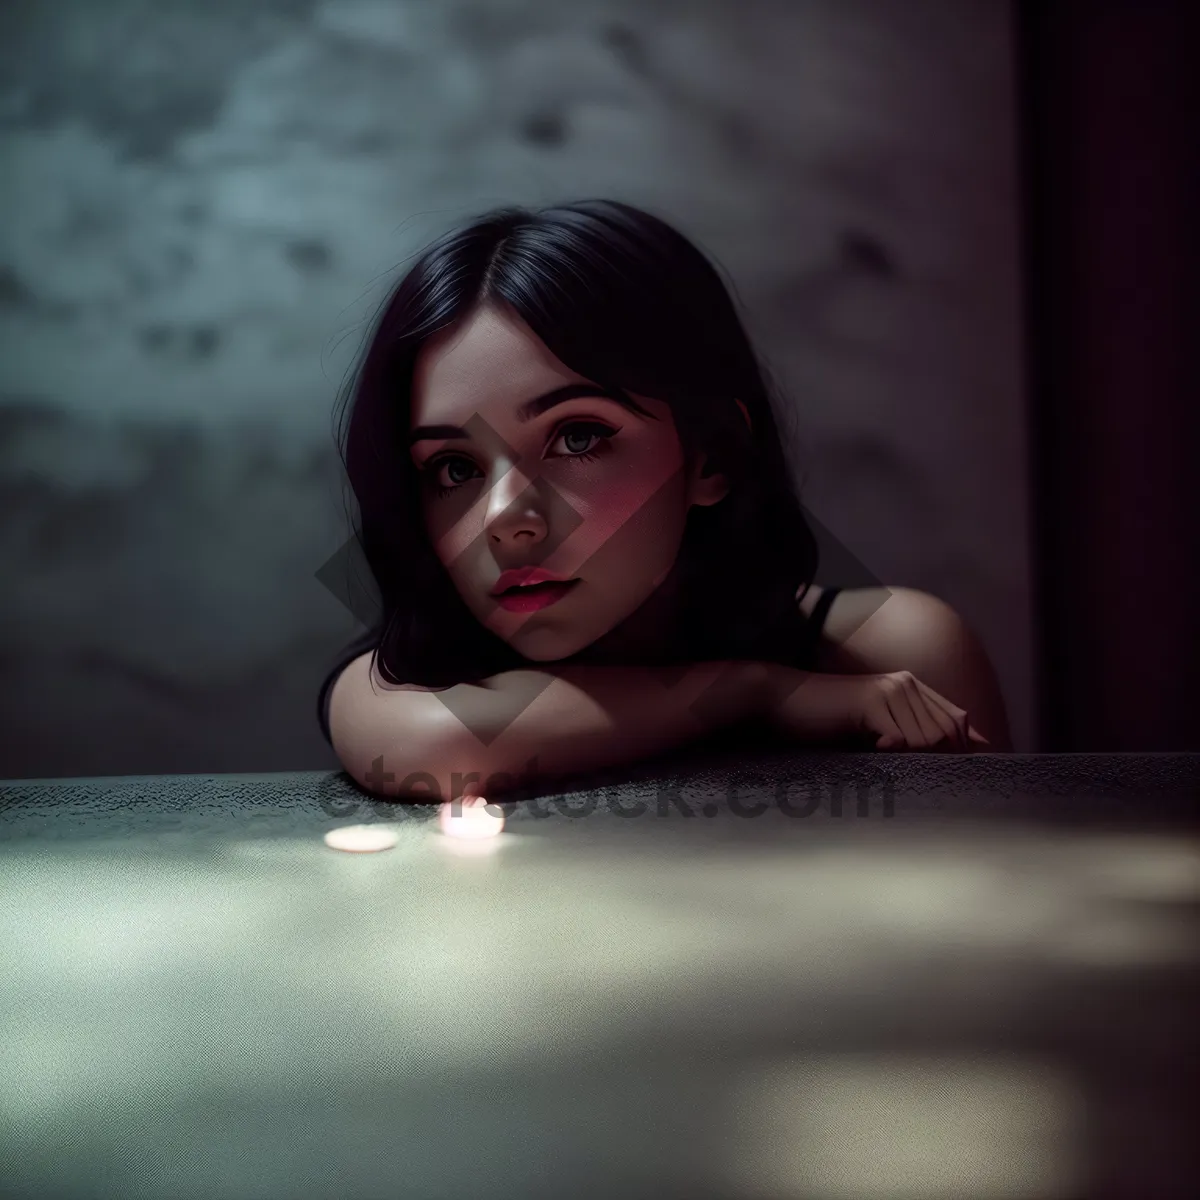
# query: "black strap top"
369,639
816,624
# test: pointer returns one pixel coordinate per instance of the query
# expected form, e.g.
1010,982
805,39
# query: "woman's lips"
535,596
525,577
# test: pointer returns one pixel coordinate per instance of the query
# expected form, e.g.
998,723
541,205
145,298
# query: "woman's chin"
544,645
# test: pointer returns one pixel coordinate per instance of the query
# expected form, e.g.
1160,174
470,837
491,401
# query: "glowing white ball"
469,818
361,839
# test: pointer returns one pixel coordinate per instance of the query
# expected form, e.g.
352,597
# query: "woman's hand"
895,710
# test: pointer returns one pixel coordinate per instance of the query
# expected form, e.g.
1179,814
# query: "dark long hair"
625,300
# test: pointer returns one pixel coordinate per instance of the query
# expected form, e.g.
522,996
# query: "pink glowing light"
469,818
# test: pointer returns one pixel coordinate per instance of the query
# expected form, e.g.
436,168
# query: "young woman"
574,500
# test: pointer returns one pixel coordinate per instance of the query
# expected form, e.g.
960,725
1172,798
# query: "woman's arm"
904,629
526,725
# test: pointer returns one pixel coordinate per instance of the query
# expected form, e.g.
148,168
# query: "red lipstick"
527,589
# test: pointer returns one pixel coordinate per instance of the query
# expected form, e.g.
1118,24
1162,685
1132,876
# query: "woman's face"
587,489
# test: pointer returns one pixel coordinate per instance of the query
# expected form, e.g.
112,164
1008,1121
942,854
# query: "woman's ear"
707,486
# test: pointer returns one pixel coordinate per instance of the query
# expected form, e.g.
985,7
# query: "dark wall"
202,205
1112,141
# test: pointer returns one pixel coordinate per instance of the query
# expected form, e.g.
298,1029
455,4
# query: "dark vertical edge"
1033,72
1107,129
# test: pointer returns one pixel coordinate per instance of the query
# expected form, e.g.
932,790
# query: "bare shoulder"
373,720
344,695
850,611
358,680
877,630
868,626
361,674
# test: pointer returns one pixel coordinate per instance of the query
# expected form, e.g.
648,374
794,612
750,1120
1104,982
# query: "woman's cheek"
618,492
633,539
452,531
628,495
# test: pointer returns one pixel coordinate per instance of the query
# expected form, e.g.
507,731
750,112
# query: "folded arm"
524,725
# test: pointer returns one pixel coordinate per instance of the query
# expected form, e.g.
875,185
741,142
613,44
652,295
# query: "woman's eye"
451,471
583,431
444,469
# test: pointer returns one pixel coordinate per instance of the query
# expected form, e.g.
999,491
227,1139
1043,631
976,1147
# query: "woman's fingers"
936,723
894,719
925,719
950,714
911,715
907,714
968,733
902,729
890,737
924,727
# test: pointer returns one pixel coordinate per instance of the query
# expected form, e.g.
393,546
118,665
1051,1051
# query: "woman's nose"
514,506
508,484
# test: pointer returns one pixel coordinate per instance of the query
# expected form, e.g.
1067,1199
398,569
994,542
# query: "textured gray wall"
201,205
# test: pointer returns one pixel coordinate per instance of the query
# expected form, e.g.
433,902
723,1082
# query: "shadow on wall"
161,611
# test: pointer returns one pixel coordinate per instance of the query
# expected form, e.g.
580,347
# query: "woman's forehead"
489,360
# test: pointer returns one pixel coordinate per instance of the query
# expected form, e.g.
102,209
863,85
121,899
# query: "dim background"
202,206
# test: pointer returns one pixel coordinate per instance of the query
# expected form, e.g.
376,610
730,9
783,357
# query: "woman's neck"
648,635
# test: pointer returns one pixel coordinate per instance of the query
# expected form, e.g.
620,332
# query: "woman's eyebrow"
534,408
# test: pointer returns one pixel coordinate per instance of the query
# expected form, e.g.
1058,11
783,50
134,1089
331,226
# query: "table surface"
784,975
